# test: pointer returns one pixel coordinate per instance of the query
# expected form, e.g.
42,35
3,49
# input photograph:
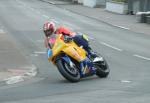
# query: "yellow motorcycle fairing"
70,48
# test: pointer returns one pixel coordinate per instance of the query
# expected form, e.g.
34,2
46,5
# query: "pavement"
129,22
14,66
58,2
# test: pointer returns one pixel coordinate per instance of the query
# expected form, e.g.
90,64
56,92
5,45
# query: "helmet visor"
48,32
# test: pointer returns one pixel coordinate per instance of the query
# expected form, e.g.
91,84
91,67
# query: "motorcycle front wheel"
70,73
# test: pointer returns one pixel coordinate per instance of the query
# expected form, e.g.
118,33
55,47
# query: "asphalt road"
127,54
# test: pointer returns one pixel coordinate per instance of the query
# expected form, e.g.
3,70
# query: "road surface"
127,54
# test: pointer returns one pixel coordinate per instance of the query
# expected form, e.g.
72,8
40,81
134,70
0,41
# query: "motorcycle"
72,61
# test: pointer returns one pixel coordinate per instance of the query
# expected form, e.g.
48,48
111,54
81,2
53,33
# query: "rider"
81,40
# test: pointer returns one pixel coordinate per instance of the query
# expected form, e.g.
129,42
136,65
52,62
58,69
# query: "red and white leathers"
65,31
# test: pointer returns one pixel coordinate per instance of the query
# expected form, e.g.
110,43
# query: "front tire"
70,73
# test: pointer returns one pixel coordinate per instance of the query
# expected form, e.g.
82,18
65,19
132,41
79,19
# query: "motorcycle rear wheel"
102,69
70,73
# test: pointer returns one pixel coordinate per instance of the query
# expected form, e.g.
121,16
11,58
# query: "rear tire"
102,69
71,74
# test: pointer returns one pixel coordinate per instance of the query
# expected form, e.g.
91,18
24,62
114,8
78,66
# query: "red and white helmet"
49,28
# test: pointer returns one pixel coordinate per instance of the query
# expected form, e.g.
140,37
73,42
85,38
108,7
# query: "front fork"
68,60
86,66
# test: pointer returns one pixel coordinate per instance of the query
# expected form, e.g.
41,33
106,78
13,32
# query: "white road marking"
32,72
34,55
125,81
111,46
13,80
22,77
122,27
142,57
40,41
40,52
